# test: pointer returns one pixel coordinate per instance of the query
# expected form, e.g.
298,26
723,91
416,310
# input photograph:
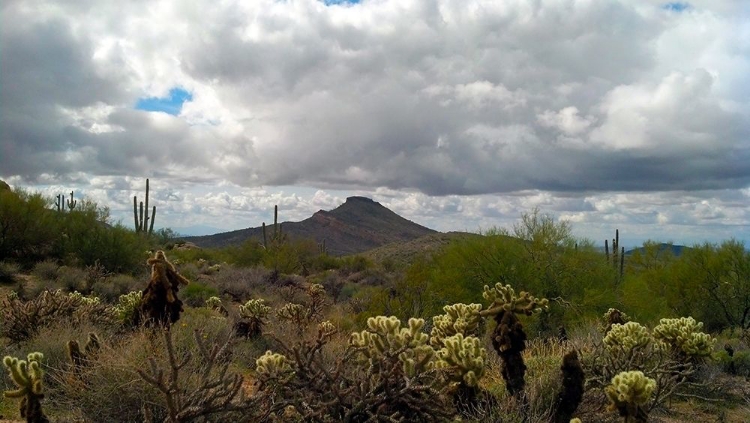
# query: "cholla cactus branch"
27,376
217,393
463,358
628,337
458,318
504,298
371,381
684,338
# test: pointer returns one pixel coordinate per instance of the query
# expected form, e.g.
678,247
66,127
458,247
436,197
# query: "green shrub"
196,294
71,278
111,288
8,272
28,230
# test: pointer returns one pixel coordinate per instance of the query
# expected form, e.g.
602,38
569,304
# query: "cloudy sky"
457,114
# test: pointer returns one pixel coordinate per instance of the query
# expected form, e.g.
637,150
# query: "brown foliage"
160,304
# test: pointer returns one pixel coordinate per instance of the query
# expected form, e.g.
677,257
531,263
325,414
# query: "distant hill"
403,253
676,250
358,225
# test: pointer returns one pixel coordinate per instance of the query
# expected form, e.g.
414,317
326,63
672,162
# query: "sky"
456,114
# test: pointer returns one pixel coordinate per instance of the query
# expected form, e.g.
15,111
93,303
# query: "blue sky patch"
676,6
172,104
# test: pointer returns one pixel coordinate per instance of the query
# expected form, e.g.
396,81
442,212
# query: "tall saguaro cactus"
277,234
618,254
71,202
142,221
60,202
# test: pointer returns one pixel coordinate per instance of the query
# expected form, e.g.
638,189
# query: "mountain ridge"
358,225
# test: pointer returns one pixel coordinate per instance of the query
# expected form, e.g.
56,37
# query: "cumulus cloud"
447,103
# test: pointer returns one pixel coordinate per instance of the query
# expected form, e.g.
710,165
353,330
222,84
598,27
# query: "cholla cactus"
384,337
127,306
458,318
84,300
213,302
326,329
463,358
27,375
253,316
272,366
292,312
504,298
627,337
684,337
255,309
316,289
628,392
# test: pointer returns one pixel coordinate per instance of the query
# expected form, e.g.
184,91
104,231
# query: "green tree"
27,228
713,285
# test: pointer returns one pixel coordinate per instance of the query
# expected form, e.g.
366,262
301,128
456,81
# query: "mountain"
676,250
358,225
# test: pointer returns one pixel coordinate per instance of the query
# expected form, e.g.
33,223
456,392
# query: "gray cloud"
447,98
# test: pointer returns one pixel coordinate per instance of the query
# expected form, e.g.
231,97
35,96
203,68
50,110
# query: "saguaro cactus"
71,202
27,375
618,254
277,235
142,221
60,202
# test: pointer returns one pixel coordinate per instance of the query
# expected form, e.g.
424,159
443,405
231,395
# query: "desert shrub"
97,391
737,364
46,270
333,284
240,283
71,278
8,272
23,319
111,288
354,264
88,238
196,294
323,262
385,358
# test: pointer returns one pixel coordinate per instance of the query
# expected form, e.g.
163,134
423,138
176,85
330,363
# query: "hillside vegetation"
520,325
